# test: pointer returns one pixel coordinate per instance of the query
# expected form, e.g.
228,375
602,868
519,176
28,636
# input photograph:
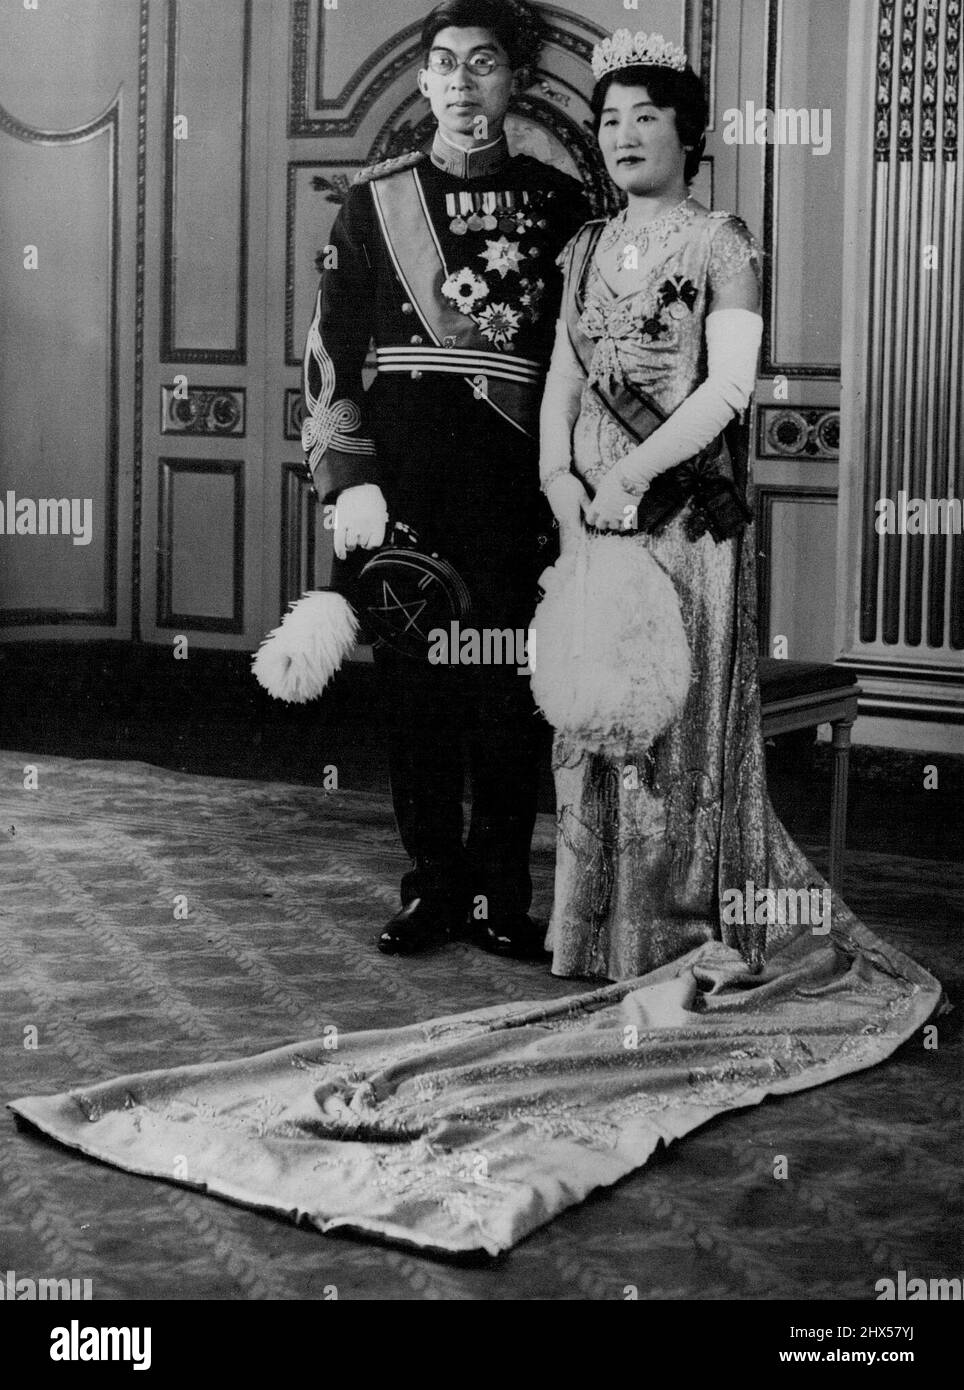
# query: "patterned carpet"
283,887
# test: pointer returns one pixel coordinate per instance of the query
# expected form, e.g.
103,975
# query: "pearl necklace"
619,232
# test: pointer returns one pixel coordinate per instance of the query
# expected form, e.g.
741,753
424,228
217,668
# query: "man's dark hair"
517,25
683,91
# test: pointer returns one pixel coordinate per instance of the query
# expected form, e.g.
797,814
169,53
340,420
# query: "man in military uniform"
446,259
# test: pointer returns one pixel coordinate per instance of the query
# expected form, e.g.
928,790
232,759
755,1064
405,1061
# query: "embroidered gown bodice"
644,309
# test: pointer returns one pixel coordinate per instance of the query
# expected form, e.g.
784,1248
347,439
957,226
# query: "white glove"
565,494
361,517
732,347
560,409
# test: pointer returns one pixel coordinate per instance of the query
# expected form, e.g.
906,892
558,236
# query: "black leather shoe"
518,937
419,926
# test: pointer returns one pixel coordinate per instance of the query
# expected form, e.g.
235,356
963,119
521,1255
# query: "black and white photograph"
481,664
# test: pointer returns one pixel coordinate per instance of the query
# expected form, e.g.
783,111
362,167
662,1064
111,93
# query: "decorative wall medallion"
204,410
798,432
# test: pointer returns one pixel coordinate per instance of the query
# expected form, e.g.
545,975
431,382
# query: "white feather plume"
297,660
614,664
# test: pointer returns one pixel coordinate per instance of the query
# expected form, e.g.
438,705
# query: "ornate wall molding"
170,350
397,53
699,40
137,452
108,122
567,31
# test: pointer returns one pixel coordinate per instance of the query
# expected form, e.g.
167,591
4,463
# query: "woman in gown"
659,332
467,1132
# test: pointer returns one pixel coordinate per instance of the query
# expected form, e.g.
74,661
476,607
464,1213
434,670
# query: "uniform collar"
469,164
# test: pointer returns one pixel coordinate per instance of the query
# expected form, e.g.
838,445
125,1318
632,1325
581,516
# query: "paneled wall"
203,538
196,274
68,382
793,58
178,165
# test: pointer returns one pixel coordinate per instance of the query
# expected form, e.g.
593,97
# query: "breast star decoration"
502,256
465,289
499,324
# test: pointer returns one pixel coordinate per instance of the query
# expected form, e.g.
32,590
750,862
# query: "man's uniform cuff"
338,470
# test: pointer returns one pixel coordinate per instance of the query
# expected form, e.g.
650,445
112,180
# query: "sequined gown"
647,841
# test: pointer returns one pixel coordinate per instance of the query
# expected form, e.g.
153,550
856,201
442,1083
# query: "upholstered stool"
801,695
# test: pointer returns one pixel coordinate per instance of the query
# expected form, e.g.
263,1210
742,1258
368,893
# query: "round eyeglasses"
443,62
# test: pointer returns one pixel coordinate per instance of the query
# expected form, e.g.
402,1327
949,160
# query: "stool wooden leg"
838,799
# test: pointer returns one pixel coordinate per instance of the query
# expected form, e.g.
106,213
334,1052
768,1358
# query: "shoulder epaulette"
389,166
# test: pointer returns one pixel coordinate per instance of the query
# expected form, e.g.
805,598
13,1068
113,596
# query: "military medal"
505,203
470,206
462,208
457,224
489,221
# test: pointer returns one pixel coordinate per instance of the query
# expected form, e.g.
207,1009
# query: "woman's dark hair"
683,91
517,25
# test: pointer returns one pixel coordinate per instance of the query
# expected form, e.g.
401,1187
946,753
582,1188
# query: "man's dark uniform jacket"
446,261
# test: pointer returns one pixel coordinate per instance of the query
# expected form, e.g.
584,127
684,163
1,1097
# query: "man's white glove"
361,517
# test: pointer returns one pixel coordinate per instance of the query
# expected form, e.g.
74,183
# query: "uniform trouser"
441,718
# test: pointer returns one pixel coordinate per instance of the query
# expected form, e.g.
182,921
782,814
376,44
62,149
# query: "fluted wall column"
901,622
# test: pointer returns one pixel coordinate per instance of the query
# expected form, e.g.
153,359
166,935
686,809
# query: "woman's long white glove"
732,346
361,516
560,409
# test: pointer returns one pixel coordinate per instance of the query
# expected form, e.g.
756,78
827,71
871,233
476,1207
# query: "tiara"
624,50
